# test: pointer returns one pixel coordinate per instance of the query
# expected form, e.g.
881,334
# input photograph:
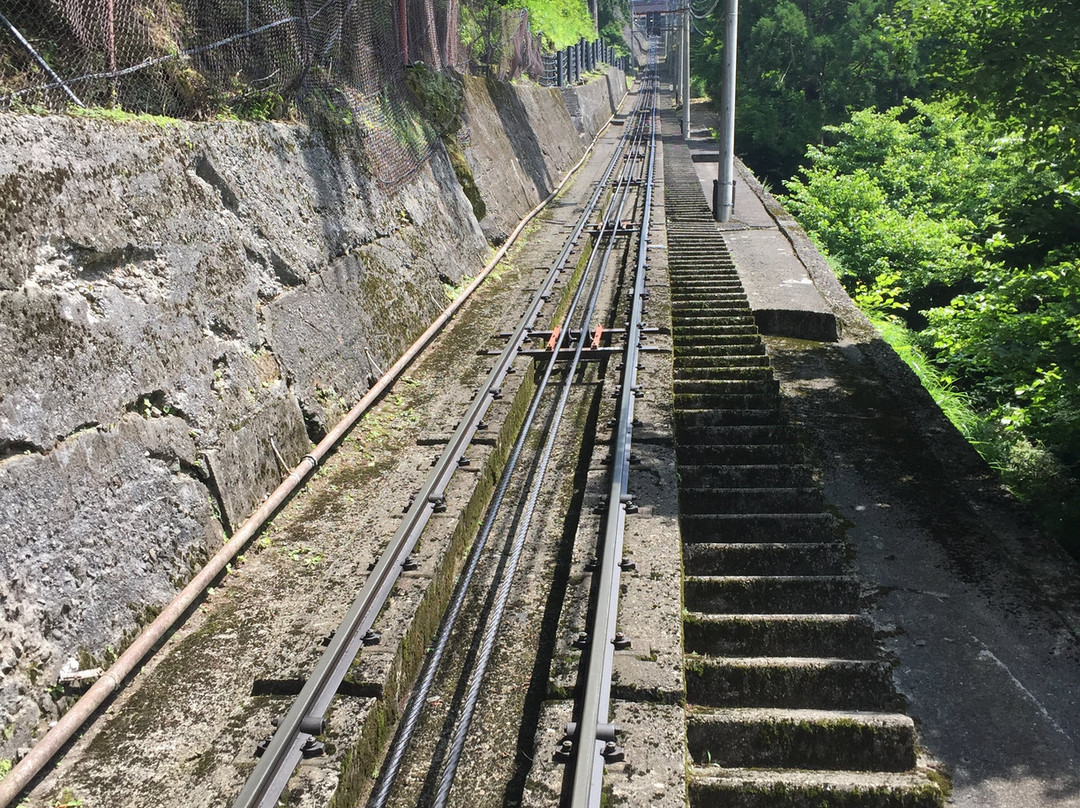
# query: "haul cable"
417,699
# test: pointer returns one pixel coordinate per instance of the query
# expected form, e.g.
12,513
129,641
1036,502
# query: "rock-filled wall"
184,308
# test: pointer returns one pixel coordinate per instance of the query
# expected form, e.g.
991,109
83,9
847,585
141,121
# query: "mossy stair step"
708,305
759,527
799,682
689,275
728,347
730,434
719,323
686,329
738,416
759,386
724,401
725,293
700,345
691,305
753,454
764,737
838,636
765,558
771,594
684,266
714,787
772,499
704,368
690,280
711,289
683,304
714,373
691,229
789,475
721,358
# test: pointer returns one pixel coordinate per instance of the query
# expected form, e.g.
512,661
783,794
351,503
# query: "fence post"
558,69
40,60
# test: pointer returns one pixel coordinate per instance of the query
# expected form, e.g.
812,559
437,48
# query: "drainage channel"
789,701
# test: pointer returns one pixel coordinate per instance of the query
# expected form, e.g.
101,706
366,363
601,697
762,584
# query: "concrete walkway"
778,286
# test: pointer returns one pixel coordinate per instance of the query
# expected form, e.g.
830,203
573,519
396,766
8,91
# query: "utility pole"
672,58
724,203
686,72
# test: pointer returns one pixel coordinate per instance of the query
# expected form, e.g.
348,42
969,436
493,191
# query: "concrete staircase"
789,701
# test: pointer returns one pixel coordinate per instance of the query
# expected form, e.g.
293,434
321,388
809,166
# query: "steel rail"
609,226
278,761
589,747
304,719
406,728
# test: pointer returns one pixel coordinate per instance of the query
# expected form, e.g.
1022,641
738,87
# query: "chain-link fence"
341,61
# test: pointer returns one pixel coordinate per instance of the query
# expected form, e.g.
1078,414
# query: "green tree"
912,193
1019,61
802,64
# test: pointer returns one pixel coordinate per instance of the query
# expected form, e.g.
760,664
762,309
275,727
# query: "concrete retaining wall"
521,139
183,309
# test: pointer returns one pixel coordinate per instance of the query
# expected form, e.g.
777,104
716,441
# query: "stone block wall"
184,309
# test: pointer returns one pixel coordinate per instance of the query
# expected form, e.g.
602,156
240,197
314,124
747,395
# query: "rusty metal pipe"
70,723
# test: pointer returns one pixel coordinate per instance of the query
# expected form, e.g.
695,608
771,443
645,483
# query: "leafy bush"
562,22
924,211
908,194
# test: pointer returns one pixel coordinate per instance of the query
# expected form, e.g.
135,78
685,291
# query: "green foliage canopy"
915,206
562,22
802,65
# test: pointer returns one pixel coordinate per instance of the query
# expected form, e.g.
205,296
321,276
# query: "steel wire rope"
407,726
494,619
700,15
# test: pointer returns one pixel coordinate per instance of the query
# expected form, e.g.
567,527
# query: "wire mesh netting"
256,59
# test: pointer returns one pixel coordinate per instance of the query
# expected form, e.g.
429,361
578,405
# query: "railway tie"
790,702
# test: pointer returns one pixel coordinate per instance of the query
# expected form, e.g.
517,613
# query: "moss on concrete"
360,764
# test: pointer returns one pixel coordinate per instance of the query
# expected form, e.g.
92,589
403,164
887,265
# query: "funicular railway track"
616,215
